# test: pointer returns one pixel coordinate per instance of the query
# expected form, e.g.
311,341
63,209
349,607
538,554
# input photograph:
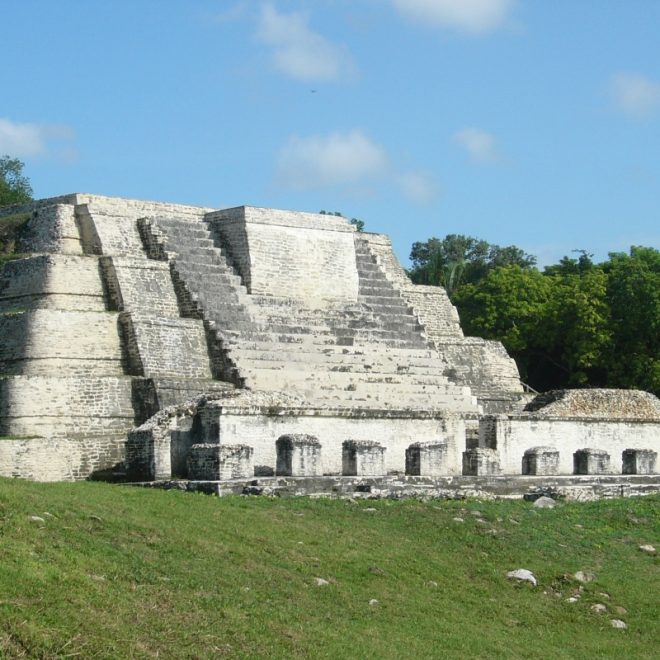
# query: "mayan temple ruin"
155,341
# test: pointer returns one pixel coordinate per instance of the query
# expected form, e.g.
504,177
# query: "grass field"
119,572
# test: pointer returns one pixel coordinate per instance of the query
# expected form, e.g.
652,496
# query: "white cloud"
328,160
417,186
231,14
479,144
298,51
635,95
472,16
28,140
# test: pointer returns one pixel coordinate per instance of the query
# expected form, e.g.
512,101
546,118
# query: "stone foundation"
591,461
298,455
638,461
540,461
362,458
481,462
426,459
207,462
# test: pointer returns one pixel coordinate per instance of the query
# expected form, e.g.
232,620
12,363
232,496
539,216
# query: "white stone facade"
125,307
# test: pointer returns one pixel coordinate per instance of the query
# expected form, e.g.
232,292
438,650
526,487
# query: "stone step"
377,396
336,360
392,339
253,372
373,352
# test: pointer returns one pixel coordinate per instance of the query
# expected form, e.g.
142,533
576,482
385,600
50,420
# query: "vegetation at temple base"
15,187
574,324
92,570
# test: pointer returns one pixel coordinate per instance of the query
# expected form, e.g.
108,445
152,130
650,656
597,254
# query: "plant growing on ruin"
15,187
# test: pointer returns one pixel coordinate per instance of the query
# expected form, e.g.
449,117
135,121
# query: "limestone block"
298,455
363,458
165,347
284,253
212,462
426,459
58,342
53,281
639,461
148,455
52,228
540,461
481,462
591,461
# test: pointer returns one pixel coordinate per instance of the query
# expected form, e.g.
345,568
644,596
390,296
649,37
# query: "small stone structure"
213,462
362,458
426,459
298,455
638,461
481,462
540,461
135,331
591,461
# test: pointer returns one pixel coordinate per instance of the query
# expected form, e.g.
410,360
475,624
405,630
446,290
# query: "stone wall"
60,459
513,435
51,281
261,431
66,343
64,406
289,254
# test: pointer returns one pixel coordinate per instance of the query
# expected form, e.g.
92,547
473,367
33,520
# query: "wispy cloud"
327,160
26,140
300,52
232,13
419,187
472,16
481,145
635,95
351,160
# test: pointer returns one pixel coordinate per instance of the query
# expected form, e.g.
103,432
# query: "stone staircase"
370,353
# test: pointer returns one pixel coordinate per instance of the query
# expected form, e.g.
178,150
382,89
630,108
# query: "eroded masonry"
161,341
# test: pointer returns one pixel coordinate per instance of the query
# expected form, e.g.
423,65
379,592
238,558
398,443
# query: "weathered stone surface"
596,403
212,462
481,462
522,575
426,459
126,307
298,455
545,503
540,461
362,458
638,461
591,461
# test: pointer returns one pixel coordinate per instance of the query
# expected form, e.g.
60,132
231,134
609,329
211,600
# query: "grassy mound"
92,570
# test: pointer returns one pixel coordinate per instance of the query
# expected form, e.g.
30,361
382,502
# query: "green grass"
119,572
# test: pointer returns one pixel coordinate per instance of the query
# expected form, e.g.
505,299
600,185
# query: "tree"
633,292
457,260
15,187
510,304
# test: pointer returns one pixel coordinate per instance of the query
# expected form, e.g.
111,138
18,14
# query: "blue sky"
517,121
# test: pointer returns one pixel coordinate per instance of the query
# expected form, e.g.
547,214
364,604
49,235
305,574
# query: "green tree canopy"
15,187
576,324
457,260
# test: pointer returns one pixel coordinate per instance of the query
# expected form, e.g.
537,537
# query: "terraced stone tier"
366,353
